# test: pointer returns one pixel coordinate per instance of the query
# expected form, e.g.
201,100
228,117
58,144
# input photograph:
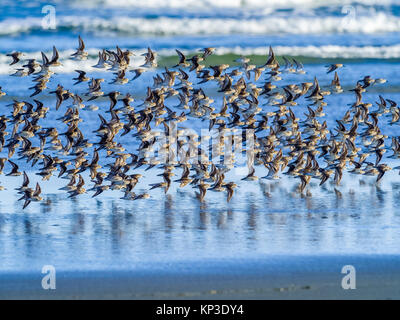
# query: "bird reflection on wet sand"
75,232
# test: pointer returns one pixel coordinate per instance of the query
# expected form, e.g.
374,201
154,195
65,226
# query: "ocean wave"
310,52
167,26
328,51
228,3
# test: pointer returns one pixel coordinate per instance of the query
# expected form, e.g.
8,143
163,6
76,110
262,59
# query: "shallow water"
263,218
331,29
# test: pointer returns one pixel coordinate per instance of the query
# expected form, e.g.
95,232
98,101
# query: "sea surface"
264,218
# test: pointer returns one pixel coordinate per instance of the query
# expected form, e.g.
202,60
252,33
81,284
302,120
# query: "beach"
269,241
276,277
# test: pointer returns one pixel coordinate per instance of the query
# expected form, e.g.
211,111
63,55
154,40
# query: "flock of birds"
305,149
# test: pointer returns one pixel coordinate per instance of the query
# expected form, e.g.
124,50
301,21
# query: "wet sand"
275,277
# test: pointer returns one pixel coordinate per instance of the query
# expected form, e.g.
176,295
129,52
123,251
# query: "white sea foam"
185,4
376,22
328,51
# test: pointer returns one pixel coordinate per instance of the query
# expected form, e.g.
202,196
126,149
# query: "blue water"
263,219
162,25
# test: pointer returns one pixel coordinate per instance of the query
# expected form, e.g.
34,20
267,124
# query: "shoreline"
278,277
